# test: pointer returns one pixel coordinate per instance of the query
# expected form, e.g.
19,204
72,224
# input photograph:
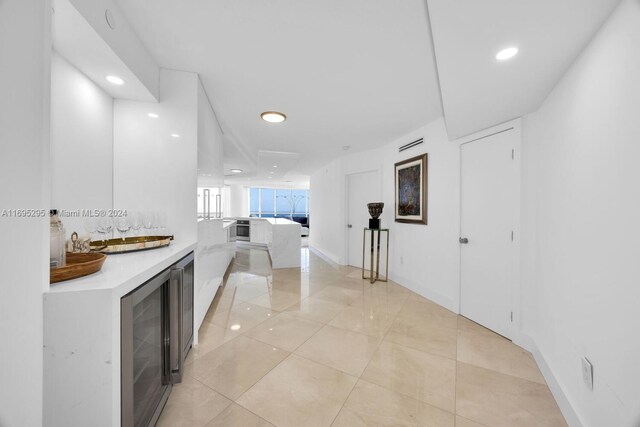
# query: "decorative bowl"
375,209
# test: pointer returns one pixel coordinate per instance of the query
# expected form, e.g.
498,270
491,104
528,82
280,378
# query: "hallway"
322,347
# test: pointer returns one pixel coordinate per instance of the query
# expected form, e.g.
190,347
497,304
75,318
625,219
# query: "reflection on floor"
317,347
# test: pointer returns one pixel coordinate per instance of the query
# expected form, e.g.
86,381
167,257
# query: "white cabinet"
211,263
259,231
231,243
210,166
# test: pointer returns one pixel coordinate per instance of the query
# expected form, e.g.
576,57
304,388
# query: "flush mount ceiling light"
115,80
507,53
153,115
236,170
273,117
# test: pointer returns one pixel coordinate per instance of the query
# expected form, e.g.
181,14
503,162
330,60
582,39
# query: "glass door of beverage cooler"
145,342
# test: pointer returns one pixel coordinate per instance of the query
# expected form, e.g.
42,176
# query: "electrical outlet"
587,373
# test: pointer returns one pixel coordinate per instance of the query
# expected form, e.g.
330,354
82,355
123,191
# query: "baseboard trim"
422,291
570,415
330,258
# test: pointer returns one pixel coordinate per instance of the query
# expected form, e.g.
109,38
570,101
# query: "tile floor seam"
469,419
365,368
309,360
455,359
249,410
324,323
234,400
415,398
325,365
215,348
293,351
502,373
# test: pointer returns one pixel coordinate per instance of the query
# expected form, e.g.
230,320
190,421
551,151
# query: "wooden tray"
78,265
130,244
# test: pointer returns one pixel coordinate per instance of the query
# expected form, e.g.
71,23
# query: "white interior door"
362,188
488,181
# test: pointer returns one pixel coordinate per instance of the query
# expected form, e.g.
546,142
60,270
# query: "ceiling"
360,73
477,90
79,43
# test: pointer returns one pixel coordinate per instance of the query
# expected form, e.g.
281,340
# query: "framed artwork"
411,190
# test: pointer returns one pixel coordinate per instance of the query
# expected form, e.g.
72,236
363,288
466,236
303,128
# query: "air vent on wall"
410,145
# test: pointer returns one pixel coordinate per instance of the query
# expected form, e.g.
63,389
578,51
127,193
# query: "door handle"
349,226
463,241
207,203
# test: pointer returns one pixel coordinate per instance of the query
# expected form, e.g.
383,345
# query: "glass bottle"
57,249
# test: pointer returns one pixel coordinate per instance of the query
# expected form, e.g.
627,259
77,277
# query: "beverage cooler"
156,335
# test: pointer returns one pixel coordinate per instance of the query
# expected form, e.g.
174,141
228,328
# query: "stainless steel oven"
156,334
243,230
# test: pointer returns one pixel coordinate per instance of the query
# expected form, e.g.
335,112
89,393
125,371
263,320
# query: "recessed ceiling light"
115,80
273,117
235,327
271,172
236,170
275,166
153,115
175,135
507,53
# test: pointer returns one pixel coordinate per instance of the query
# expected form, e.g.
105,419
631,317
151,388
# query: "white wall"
430,254
582,187
238,200
153,170
81,143
326,211
24,175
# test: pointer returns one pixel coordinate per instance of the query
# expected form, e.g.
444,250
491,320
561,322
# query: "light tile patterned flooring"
319,347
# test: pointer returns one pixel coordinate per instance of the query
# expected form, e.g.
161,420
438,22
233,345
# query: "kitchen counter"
282,238
82,336
226,223
280,221
122,273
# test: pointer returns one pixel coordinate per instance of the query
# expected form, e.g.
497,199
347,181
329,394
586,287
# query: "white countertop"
225,222
280,221
273,221
121,273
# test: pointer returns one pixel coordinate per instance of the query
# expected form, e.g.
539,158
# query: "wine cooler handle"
176,315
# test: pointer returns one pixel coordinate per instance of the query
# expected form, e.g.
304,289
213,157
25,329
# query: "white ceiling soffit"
479,91
76,40
276,164
358,72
